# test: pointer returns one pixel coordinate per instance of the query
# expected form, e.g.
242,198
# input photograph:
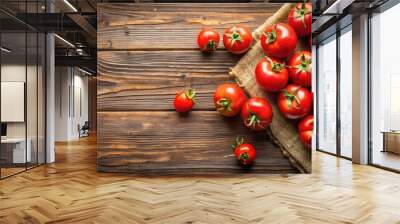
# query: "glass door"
326,94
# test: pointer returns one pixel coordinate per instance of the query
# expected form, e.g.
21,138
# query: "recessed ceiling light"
70,5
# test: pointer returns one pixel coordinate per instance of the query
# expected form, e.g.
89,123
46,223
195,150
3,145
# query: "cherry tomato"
257,114
271,74
300,18
184,101
306,127
295,101
208,40
229,99
237,39
300,68
279,40
245,153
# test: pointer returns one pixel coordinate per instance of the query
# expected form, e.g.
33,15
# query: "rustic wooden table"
148,53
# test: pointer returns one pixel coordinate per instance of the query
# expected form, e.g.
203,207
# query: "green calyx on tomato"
239,141
253,120
211,45
291,97
225,105
271,36
304,66
244,157
234,36
275,66
191,94
302,12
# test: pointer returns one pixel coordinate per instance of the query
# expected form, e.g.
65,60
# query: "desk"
391,141
18,149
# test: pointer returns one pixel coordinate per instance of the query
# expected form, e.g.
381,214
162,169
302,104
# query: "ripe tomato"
279,40
300,18
295,101
229,99
237,39
271,74
257,114
208,40
306,127
300,68
184,101
245,153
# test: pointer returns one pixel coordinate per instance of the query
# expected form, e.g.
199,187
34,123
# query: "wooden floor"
71,191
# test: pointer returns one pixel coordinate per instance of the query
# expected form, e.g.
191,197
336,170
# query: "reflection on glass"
385,88
346,92
15,151
22,90
327,96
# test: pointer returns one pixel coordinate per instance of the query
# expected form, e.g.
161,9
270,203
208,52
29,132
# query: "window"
385,87
327,95
346,92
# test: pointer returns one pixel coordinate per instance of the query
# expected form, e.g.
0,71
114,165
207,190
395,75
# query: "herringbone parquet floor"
71,191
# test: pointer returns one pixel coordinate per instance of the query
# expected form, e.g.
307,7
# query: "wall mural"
204,88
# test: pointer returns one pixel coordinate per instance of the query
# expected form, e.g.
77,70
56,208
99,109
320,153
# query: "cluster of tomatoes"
282,71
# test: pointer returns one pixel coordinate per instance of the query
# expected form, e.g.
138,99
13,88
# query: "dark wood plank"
168,143
171,26
149,80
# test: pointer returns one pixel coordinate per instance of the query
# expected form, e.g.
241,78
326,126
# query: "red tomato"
306,127
237,39
271,74
295,101
257,114
300,18
245,153
279,40
184,101
229,99
208,40
300,68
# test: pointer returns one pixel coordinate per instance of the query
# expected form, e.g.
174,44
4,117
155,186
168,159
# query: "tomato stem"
244,157
234,36
239,141
271,36
304,66
276,67
302,12
210,45
291,97
191,94
225,105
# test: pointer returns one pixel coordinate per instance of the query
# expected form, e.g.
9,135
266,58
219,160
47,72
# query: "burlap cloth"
282,131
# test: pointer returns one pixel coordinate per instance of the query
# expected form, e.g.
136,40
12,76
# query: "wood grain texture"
171,26
138,131
170,143
149,80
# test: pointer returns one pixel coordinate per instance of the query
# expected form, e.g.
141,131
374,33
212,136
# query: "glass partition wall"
327,96
22,88
334,98
385,89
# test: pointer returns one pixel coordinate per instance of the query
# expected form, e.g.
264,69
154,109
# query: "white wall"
71,102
